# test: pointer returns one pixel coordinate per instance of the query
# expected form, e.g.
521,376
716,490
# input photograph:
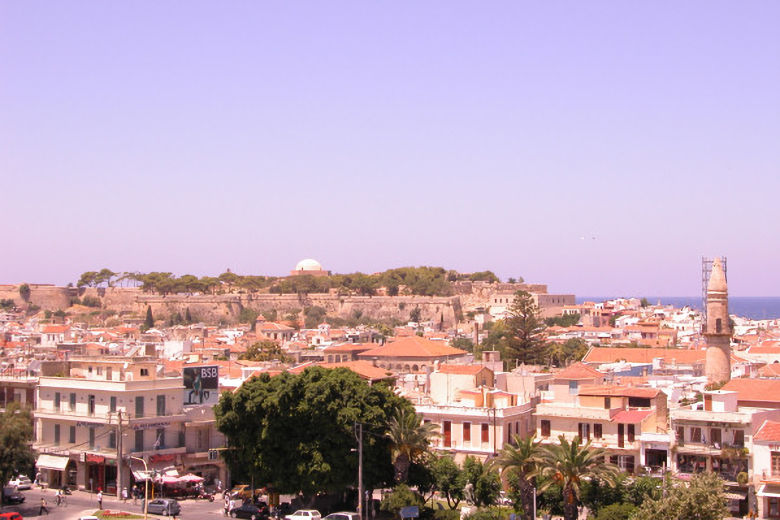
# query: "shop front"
53,468
101,473
769,500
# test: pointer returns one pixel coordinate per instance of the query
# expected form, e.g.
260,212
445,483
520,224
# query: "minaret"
717,330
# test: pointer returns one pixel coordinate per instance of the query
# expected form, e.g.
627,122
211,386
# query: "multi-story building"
95,414
474,418
612,417
717,435
766,469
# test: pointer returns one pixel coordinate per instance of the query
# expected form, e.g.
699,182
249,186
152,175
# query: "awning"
773,491
46,461
731,495
154,470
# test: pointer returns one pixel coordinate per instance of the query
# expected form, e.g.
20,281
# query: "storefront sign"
162,458
87,424
95,459
156,425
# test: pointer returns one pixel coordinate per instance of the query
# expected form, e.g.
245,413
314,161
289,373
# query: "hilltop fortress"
226,303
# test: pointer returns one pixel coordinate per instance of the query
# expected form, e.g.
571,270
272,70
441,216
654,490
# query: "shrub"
401,496
616,512
489,513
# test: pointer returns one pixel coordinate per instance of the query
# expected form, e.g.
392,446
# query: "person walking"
100,498
124,495
43,507
135,494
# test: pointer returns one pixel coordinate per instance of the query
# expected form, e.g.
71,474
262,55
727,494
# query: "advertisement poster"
201,385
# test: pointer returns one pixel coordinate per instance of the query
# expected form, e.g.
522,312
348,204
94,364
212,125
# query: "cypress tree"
149,321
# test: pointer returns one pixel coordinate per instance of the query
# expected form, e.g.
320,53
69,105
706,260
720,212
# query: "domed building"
308,266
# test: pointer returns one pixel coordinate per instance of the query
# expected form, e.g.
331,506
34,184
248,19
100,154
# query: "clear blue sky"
197,136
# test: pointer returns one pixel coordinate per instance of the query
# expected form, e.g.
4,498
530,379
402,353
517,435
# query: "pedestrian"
135,494
100,498
227,503
124,495
43,507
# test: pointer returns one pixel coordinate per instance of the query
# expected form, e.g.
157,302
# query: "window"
485,432
583,430
91,405
112,439
739,438
139,406
159,443
57,434
56,401
631,433
160,405
596,431
90,370
607,403
774,507
573,387
715,436
467,432
72,434
144,371
545,424
447,434
112,404
92,438
696,434
680,435
72,401
776,463
139,440
100,371
718,325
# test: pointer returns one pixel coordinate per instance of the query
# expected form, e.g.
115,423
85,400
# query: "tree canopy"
702,498
521,335
15,437
295,432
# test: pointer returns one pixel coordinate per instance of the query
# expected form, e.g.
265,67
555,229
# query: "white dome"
308,264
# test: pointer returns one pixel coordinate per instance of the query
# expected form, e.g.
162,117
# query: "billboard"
201,385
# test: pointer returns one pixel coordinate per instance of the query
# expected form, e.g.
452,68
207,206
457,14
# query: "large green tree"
482,482
527,341
701,499
265,350
295,432
15,438
569,464
409,438
519,464
448,479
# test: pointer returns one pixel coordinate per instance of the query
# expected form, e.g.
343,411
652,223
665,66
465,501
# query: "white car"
21,482
304,514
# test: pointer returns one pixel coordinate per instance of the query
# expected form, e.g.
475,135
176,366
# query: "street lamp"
146,485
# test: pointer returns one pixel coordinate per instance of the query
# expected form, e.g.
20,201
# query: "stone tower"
717,330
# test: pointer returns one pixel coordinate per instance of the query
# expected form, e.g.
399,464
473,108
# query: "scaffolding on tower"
706,271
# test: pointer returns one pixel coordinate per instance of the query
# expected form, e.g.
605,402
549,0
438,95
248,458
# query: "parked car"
10,516
249,510
21,482
164,506
12,496
305,514
343,515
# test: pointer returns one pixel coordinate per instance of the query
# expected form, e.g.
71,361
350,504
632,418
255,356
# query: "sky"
599,147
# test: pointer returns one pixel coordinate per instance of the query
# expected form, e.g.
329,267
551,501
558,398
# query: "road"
81,503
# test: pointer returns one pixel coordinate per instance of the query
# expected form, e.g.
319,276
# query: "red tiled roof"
349,347
270,325
578,371
765,390
414,347
769,431
55,329
631,416
462,369
771,370
643,355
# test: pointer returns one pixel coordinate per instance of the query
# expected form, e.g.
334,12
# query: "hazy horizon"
599,147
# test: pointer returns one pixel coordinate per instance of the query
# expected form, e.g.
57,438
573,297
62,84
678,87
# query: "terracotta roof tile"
414,347
462,369
631,416
769,431
621,391
578,371
763,390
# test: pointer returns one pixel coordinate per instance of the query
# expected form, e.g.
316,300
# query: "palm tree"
519,461
568,463
410,438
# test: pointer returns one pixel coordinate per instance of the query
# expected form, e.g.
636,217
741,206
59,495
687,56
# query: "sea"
753,307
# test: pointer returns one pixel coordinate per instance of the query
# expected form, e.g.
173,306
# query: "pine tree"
188,316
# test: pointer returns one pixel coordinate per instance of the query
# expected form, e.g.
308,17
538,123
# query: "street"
81,503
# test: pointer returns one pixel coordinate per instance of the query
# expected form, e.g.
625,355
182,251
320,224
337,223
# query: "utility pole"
359,436
119,455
